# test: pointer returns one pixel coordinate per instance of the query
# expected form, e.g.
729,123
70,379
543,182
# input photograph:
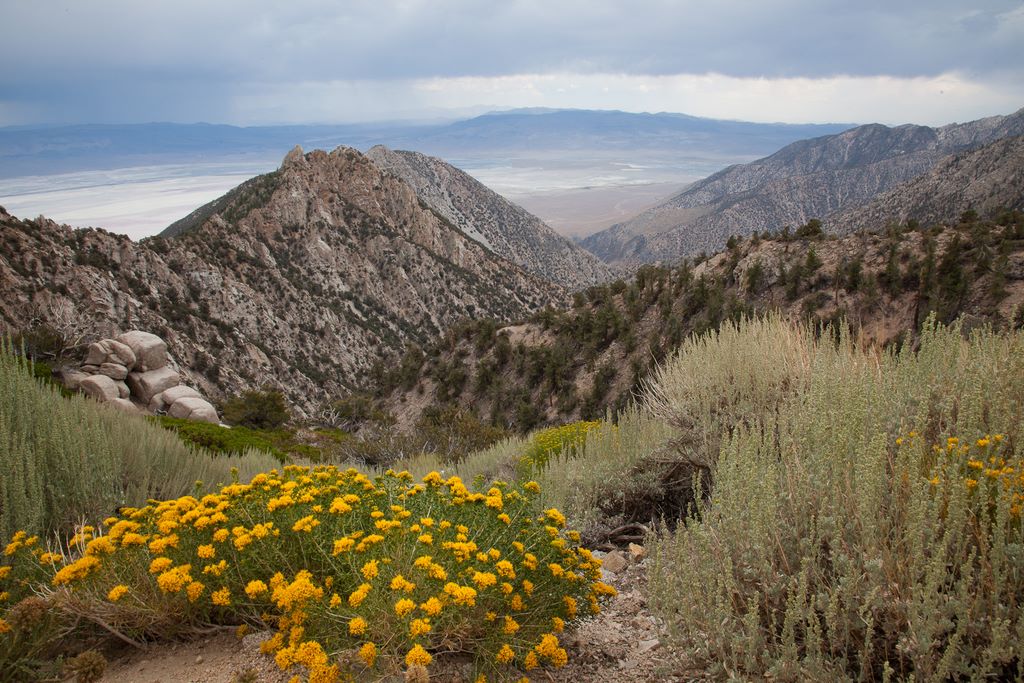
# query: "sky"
258,62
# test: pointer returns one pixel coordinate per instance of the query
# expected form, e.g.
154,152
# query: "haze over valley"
581,170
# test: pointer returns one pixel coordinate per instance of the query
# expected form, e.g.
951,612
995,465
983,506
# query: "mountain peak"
295,157
300,279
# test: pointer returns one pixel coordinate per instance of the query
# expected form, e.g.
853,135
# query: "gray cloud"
191,58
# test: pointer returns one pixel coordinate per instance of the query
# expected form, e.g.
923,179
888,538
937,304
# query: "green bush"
554,441
224,440
265,409
857,528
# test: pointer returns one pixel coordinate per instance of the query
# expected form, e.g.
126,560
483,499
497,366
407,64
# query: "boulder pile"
131,372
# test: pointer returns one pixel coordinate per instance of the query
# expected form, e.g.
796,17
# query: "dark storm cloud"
104,56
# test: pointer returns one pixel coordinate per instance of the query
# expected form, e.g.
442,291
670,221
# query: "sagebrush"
865,519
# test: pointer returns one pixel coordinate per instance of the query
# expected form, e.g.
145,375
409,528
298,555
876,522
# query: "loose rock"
72,379
123,404
164,399
150,350
110,351
193,408
114,371
100,387
146,385
614,562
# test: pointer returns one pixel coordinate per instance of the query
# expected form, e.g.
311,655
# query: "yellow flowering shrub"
553,441
984,468
496,577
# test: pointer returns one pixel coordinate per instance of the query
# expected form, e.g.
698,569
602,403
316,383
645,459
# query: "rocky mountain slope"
806,179
566,365
985,180
485,216
299,279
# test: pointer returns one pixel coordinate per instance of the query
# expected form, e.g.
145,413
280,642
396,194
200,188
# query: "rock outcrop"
151,385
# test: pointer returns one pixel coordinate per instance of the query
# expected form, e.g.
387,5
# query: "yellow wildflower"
306,524
255,588
368,653
417,655
358,595
404,606
193,590
432,607
400,583
370,570
173,580
484,579
117,592
357,626
419,627
221,597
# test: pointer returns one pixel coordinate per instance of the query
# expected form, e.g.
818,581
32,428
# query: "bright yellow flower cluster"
985,467
502,575
551,442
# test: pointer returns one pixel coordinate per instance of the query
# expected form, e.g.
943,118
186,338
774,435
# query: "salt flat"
137,202
575,195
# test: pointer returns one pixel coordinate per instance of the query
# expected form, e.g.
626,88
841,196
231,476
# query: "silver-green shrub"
728,377
844,539
580,481
65,460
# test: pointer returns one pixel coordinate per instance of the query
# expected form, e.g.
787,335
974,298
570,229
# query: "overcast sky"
253,62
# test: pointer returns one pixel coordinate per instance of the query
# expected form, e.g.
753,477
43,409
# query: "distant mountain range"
59,149
807,179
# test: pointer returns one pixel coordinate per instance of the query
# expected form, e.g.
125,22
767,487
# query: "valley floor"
579,212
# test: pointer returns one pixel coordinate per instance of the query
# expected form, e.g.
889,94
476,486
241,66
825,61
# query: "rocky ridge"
985,180
563,366
485,216
300,279
807,179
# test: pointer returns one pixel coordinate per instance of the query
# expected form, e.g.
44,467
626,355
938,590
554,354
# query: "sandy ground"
581,212
216,659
